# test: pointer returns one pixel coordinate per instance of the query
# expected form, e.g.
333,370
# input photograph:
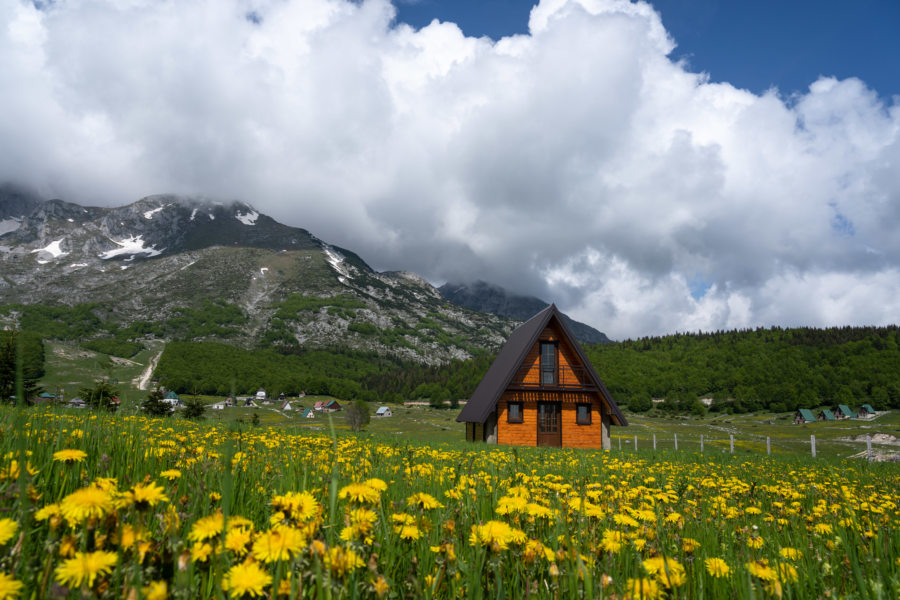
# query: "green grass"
750,432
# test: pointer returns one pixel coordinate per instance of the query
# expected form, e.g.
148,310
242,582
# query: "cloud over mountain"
578,163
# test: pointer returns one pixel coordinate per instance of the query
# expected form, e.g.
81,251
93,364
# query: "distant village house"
383,411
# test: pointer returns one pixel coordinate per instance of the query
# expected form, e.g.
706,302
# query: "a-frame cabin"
542,390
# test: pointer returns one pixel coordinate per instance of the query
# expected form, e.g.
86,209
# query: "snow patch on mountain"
53,249
149,214
193,214
131,245
336,260
248,218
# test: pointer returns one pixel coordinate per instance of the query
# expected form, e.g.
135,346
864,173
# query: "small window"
583,414
548,363
514,412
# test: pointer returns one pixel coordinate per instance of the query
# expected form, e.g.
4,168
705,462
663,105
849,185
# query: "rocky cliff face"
489,298
147,261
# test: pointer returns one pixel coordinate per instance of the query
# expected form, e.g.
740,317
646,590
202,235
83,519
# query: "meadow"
121,506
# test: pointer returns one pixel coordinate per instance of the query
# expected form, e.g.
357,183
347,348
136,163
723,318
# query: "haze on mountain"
582,160
489,298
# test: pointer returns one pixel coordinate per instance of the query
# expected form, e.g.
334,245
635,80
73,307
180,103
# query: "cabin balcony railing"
567,378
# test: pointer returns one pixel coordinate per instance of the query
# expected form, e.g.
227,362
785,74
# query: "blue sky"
752,45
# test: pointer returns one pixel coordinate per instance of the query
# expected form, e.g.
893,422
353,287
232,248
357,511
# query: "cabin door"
549,424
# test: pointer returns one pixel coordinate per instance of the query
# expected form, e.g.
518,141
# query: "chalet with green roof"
826,415
866,412
803,416
843,412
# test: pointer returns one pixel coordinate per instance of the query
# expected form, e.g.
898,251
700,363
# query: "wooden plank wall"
573,434
566,358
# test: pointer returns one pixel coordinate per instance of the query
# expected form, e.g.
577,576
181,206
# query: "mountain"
493,299
193,269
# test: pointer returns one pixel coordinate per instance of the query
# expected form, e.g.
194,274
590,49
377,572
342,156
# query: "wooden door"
549,424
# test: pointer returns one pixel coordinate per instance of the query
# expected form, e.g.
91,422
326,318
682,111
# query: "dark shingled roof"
484,400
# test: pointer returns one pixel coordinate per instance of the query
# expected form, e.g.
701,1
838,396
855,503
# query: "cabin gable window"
548,363
583,414
514,412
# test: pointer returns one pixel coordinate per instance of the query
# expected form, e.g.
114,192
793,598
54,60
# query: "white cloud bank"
577,163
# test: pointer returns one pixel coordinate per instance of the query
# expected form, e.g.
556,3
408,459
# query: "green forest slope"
763,369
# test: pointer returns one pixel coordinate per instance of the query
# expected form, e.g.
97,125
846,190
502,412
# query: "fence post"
812,442
654,441
676,442
635,442
768,447
869,448
620,443
701,443
732,442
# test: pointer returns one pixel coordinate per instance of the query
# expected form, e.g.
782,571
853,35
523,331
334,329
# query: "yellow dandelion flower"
238,540
717,567
299,506
85,567
86,503
643,589
790,553
424,501
144,496
201,551
381,586
67,546
342,560
823,528
206,528
8,529
689,545
511,505
410,532
762,570
672,518
538,511
157,590
51,510
612,541
170,474
360,493
787,573
402,519
496,535
9,587
667,571
246,578
280,543
376,484
755,542
70,456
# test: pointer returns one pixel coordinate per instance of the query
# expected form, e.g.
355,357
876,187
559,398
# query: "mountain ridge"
147,264
491,298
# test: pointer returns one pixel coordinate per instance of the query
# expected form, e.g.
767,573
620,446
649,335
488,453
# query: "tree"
357,415
99,396
194,408
31,348
154,405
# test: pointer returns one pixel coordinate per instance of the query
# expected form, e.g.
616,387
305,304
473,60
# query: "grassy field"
118,506
69,367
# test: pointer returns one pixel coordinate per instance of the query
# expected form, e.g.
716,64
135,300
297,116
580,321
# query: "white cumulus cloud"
577,162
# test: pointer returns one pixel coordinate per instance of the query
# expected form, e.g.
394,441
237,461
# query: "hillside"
763,369
191,269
